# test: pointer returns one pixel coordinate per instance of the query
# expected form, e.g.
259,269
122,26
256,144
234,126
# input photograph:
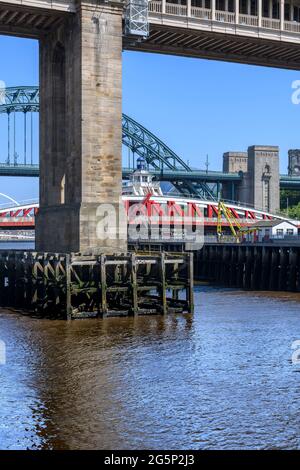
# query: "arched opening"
58,120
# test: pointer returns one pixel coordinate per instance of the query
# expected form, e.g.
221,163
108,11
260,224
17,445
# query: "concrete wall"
81,129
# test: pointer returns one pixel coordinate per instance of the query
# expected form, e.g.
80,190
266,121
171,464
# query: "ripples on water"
220,379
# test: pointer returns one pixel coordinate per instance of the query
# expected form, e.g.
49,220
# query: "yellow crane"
233,222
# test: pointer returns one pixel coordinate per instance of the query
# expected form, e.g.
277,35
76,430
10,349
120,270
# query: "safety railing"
292,26
203,13
155,7
173,9
223,16
270,23
248,20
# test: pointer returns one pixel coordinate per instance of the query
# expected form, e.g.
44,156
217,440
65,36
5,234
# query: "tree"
294,212
289,198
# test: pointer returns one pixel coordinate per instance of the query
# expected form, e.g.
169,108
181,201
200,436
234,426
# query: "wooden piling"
80,286
266,267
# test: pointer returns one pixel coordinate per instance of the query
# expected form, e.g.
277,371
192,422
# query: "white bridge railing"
270,23
223,16
292,26
248,20
204,13
173,9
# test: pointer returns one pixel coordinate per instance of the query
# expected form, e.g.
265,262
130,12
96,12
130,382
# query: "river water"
222,378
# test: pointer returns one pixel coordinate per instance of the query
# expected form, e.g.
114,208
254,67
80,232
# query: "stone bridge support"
80,132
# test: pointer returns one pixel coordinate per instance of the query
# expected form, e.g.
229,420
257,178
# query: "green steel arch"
19,99
134,136
141,141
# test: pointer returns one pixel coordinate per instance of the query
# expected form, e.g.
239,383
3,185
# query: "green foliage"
290,203
294,212
289,198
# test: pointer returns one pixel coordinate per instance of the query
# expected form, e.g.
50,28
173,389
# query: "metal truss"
19,99
198,189
141,141
136,18
160,157
134,136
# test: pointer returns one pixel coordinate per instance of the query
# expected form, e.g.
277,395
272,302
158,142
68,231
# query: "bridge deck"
286,181
186,30
223,35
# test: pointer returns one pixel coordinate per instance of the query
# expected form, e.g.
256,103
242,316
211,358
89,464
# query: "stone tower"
234,162
263,177
294,162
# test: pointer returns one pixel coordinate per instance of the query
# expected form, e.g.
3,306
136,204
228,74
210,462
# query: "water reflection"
219,379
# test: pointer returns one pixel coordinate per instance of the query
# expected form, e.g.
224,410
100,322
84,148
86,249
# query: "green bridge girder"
136,137
19,99
286,182
162,162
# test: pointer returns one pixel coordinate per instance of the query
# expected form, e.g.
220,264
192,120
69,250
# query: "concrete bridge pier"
81,132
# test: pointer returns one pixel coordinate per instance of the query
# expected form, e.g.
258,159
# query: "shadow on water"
71,378
222,378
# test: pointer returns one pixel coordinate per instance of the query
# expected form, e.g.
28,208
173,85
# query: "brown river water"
222,378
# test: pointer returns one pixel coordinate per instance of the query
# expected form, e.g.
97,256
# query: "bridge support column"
81,133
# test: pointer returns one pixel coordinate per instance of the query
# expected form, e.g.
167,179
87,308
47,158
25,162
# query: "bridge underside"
32,22
25,21
218,46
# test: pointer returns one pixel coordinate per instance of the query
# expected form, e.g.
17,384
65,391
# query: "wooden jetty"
82,286
258,267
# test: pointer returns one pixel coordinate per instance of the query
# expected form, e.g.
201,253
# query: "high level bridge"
81,81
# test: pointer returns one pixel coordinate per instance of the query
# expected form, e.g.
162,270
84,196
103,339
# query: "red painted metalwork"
162,212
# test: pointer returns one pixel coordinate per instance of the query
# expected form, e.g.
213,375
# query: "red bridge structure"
160,210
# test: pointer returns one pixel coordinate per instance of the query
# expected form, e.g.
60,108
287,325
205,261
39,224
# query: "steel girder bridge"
165,164
25,101
162,161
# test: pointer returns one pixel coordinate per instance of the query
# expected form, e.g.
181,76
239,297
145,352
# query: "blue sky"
197,107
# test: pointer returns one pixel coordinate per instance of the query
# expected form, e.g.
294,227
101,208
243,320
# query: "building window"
289,231
279,232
